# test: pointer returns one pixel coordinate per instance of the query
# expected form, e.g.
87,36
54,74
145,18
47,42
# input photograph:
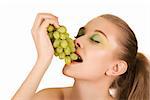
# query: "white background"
17,49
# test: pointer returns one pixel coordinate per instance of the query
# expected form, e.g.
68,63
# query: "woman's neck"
87,90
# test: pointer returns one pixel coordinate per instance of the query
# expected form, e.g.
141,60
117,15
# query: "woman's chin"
71,69
67,70
68,74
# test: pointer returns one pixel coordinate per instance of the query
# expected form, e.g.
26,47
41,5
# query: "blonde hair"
134,83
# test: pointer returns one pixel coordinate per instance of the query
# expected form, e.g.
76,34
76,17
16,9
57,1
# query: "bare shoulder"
49,94
52,94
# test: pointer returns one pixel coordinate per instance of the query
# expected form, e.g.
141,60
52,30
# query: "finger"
54,22
40,17
46,23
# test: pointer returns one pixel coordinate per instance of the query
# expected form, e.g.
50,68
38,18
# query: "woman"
112,61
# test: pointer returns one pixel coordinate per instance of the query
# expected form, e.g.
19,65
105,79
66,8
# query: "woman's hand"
42,41
45,52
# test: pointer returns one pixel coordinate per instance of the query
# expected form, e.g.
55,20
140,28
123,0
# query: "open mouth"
79,58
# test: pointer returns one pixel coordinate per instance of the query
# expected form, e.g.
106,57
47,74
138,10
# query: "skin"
93,76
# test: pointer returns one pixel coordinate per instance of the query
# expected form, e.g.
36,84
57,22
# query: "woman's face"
97,46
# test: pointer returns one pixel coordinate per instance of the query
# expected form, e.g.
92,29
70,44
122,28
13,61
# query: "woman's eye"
80,32
95,38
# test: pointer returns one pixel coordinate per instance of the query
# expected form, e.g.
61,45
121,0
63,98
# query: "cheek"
101,58
84,71
93,67
98,62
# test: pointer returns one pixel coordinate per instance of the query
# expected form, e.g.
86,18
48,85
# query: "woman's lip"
72,62
79,55
75,62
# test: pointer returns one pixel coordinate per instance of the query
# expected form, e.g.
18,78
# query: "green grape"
59,50
56,35
50,28
73,56
64,43
62,55
62,29
72,49
67,60
56,54
67,51
71,44
67,35
69,39
62,36
50,34
56,43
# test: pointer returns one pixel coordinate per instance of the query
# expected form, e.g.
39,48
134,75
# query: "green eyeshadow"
95,38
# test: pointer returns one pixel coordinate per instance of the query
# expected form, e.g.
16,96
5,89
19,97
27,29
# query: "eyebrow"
101,32
97,31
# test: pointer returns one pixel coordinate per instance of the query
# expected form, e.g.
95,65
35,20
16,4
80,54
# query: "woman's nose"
78,44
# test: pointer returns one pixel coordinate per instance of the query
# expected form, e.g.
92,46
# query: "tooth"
79,57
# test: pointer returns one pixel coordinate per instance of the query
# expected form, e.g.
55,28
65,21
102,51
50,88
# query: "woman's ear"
120,67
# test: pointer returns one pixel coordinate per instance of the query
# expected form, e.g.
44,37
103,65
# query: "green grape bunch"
63,45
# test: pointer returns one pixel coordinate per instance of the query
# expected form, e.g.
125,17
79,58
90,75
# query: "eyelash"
94,40
81,32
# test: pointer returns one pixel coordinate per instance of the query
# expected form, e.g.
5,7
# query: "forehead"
111,30
102,24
